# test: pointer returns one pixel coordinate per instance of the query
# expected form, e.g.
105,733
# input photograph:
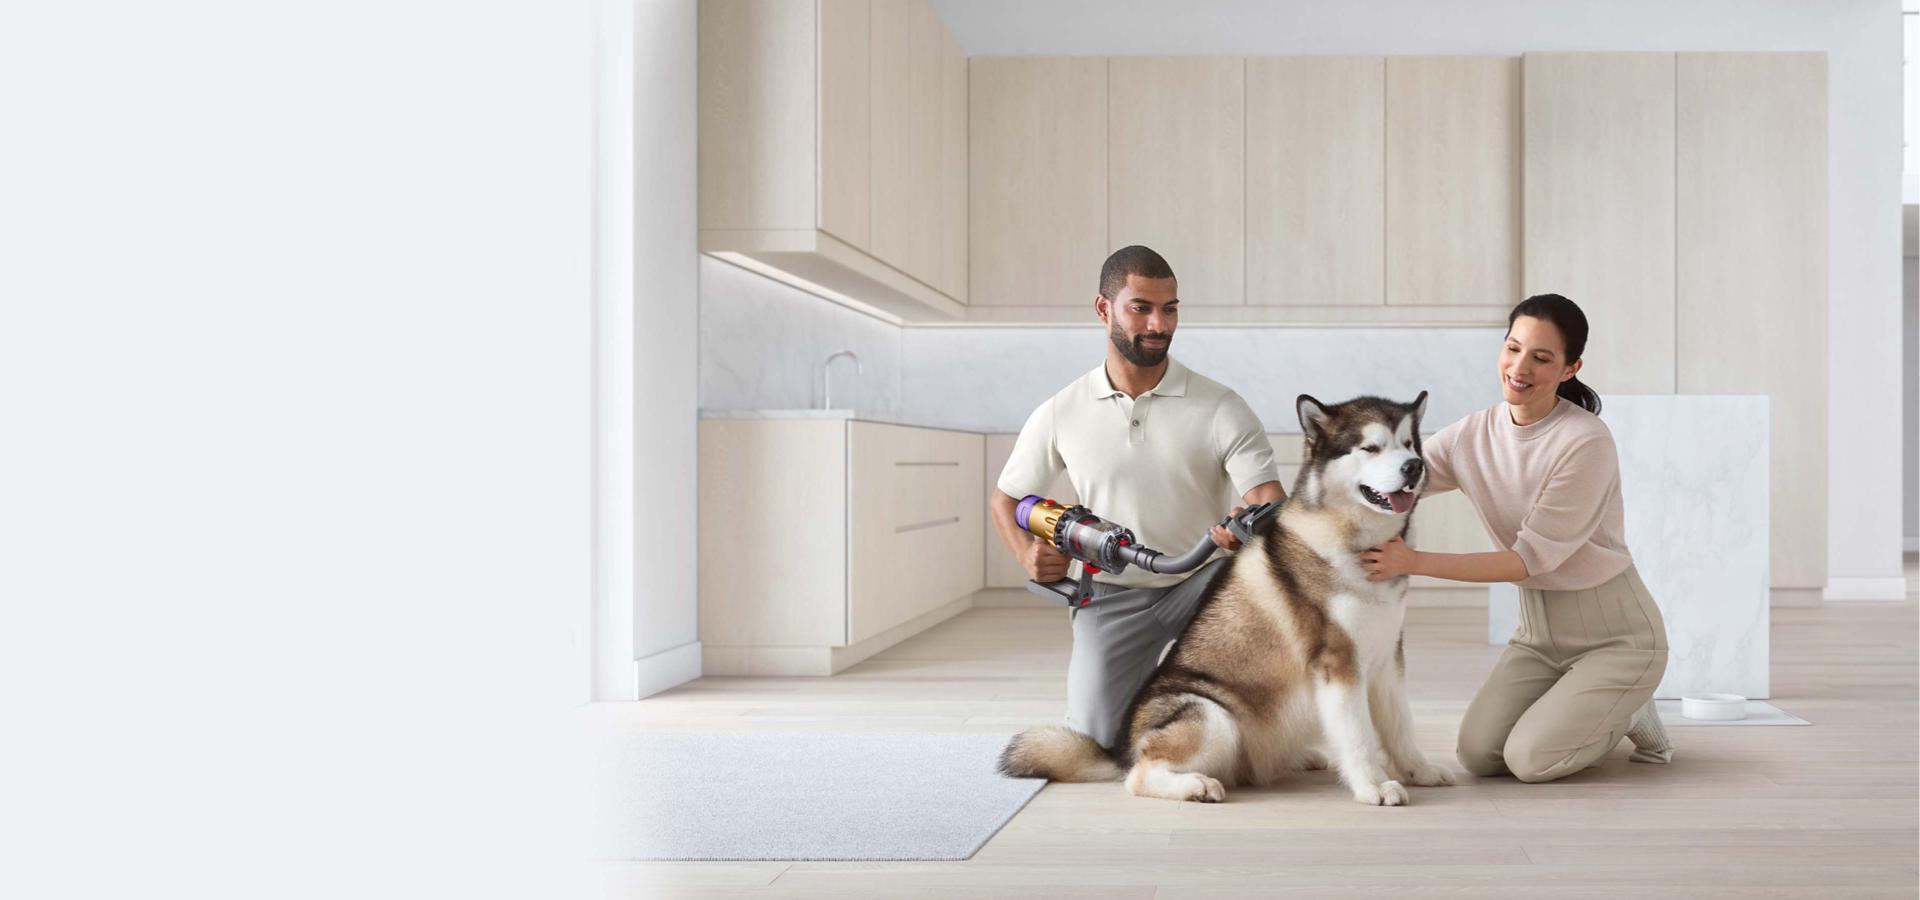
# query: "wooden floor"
1831,810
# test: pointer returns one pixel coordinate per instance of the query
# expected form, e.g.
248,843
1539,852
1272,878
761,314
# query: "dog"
1294,660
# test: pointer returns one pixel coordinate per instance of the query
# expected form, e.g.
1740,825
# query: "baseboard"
1793,597
1892,588
817,661
853,653
668,668
1913,544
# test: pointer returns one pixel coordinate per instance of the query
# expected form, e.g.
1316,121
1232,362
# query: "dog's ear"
1313,418
1419,410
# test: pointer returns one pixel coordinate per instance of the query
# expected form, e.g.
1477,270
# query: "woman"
1542,471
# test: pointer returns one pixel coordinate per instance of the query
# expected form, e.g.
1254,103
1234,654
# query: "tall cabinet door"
1752,286
1453,182
1037,180
895,236
1177,145
1599,198
1316,201
846,119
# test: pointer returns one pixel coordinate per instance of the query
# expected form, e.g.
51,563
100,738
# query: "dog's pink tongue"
1401,500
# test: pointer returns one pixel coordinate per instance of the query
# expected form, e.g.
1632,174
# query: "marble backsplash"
762,344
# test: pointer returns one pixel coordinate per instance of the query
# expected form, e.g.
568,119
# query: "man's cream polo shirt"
1169,464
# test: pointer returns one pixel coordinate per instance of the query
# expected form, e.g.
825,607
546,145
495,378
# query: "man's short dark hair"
1134,260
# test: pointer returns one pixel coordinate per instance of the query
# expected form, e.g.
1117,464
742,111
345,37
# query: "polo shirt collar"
1173,382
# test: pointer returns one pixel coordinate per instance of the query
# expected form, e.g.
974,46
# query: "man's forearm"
1001,507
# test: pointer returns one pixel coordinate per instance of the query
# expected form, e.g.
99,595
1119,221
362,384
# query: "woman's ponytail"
1566,316
1581,395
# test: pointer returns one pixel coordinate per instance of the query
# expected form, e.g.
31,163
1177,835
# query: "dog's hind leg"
1191,746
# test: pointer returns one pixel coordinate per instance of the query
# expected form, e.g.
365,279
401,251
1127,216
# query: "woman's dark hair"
1566,316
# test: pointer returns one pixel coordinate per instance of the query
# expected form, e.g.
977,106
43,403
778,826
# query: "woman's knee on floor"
1479,754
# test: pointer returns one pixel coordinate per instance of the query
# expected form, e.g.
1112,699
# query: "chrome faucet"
826,371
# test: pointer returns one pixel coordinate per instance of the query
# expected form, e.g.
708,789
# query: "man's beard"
1131,349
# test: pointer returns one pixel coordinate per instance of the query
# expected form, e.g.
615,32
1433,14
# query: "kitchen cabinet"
1453,180
1176,138
828,136
1037,182
826,540
1316,182
1752,286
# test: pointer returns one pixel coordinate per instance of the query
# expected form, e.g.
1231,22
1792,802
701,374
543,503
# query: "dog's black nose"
1411,469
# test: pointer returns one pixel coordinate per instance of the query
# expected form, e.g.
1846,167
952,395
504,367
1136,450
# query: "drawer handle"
926,463
933,524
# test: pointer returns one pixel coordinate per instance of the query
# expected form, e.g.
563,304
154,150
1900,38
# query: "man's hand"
1225,538
1044,562
1389,560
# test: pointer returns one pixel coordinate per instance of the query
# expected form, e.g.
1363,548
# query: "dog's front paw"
1204,788
1427,774
1386,793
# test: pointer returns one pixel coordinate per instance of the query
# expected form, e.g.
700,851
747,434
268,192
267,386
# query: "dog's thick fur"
1294,659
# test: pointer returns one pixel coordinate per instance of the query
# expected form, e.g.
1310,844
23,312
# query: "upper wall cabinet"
1038,180
832,136
1177,170
1752,286
1316,197
1599,144
1453,181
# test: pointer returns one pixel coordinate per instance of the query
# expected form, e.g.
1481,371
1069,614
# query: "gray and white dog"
1294,660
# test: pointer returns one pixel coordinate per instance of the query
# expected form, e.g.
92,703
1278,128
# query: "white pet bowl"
1714,707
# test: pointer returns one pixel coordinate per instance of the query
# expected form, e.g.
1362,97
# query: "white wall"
665,291
1861,37
294,367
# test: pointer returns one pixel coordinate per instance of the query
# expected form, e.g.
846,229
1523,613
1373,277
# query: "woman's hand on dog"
1389,560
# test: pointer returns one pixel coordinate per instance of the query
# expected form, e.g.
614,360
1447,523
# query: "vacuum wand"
1103,546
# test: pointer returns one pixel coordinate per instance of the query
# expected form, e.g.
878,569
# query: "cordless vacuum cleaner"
1102,546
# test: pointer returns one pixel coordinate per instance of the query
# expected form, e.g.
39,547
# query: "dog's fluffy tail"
1057,753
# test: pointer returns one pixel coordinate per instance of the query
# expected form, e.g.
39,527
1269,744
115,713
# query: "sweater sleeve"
1437,453
1570,506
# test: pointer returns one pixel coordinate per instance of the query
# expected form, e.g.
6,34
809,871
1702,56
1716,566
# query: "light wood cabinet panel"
925,257
1752,258
1177,156
953,169
1599,206
1316,185
1037,180
824,163
1453,198
756,114
915,523
846,120
786,587
894,121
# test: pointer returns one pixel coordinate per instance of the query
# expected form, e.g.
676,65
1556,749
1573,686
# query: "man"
1153,446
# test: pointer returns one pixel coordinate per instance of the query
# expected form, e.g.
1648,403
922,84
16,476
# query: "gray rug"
803,796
